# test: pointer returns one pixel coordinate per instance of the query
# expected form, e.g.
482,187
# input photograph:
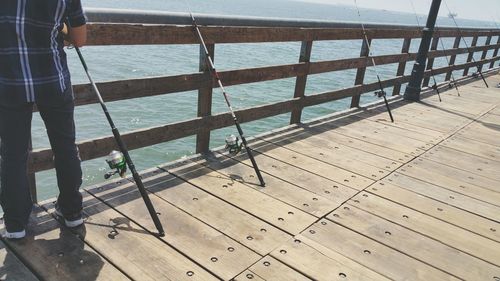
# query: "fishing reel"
380,94
233,145
117,163
475,74
435,87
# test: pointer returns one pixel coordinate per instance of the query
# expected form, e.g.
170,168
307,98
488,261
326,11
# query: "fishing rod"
381,93
435,86
466,44
231,141
119,160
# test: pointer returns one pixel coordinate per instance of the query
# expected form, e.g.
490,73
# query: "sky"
487,10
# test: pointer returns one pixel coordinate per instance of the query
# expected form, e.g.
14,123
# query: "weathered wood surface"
433,209
53,252
138,34
11,268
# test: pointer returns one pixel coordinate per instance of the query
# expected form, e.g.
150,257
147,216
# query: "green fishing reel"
233,144
117,163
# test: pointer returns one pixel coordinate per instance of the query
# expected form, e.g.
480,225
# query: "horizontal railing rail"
117,27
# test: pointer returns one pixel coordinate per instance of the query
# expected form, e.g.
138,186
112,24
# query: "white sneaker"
14,235
73,222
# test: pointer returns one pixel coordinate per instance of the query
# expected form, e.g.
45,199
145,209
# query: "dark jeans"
15,131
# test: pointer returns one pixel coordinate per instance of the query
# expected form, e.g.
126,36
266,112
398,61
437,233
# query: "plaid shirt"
33,64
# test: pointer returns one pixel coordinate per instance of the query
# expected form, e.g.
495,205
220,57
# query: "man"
33,70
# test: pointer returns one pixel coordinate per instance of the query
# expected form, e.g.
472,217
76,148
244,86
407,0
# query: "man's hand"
76,36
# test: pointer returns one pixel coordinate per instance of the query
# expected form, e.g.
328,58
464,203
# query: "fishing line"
435,86
117,159
466,44
381,93
231,141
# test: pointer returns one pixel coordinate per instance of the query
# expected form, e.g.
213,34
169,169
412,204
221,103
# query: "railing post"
495,53
360,75
300,84
485,52
456,44
205,100
32,179
430,63
402,65
471,55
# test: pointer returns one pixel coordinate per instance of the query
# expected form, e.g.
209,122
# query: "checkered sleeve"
76,17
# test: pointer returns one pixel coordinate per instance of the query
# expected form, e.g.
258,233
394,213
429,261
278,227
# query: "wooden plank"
403,144
320,263
456,44
433,120
271,269
312,165
443,232
451,198
471,54
138,34
465,161
52,252
308,138
378,257
485,52
301,81
11,268
248,230
248,275
321,186
205,97
413,244
402,65
275,212
131,248
153,86
445,212
453,178
381,118
203,244
334,156
482,133
430,60
321,136
460,108
305,200
360,74
471,146
378,128
495,52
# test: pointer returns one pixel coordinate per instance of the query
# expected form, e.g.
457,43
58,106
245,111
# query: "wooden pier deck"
350,197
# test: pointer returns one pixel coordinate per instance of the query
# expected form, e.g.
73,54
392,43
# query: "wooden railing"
262,31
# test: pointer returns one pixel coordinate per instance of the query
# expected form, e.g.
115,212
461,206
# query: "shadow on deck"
350,196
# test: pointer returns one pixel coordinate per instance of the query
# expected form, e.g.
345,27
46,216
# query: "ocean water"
125,62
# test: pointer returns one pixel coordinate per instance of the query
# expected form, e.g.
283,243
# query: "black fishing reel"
117,163
380,94
475,74
435,87
451,85
233,144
